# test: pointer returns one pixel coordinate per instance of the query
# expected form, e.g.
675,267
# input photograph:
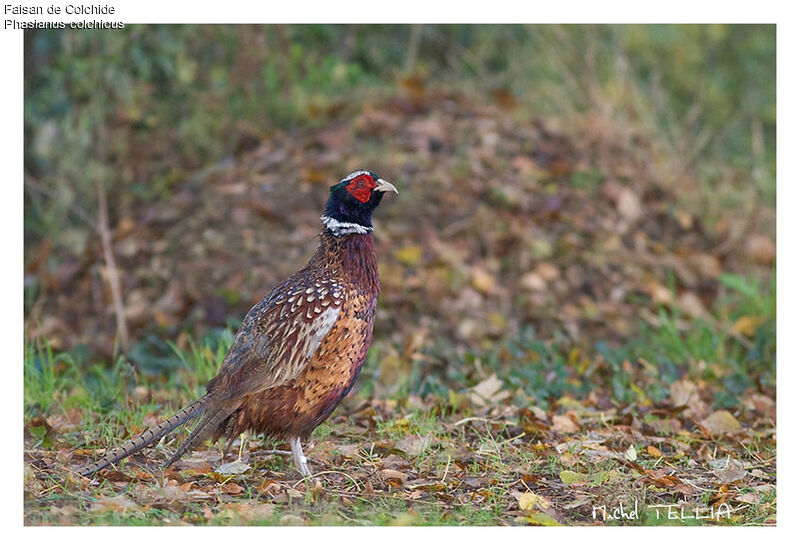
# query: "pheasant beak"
385,186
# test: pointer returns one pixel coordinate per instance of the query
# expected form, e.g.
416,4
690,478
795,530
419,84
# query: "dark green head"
352,201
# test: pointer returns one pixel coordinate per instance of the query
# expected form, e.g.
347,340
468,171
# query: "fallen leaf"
730,475
482,280
414,445
721,422
760,249
629,205
389,474
118,503
409,255
530,423
659,293
564,423
232,489
434,487
532,501
489,391
233,468
749,498
539,518
349,450
685,393
664,425
747,325
572,478
533,281
654,452
691,304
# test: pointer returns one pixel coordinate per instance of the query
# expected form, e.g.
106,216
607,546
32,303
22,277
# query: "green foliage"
708,348
203,360
139,108
539,368
702,348
73,379
42,382
69,379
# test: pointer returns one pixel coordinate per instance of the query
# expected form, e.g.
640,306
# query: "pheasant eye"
361,187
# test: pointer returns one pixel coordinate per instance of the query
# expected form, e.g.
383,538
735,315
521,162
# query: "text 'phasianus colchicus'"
300,349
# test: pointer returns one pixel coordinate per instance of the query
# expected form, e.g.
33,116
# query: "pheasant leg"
300,460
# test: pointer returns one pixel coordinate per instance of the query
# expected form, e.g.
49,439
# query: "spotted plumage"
300,349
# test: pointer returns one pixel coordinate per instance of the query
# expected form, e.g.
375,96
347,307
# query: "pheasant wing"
278,337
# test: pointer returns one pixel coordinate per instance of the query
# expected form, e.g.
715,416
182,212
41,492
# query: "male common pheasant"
300,349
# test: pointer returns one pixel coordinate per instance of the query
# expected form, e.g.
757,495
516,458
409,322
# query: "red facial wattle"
361,187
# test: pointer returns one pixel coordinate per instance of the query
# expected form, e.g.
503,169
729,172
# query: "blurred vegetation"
143,107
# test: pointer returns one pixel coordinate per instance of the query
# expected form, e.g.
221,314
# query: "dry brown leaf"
729,475
760,249
659,293
482,280
564,424
232,489
395,475
414,445
533,281
721,422
629,205
117,503
684,393
488,392
691,304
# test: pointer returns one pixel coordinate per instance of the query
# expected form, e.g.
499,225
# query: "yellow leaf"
532,501
747,325
482,280
409,255
498,321
572,478
540,518
643,399
722,422
652,451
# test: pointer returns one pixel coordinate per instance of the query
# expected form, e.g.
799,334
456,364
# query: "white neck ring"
344,228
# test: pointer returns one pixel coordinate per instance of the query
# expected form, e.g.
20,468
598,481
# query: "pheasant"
300,349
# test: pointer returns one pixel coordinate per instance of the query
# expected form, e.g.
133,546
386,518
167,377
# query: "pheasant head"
352,201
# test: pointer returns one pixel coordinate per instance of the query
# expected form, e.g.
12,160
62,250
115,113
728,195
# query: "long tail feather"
207,428
147,437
